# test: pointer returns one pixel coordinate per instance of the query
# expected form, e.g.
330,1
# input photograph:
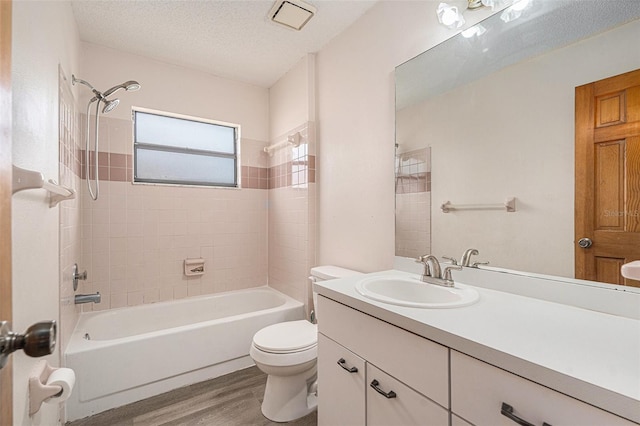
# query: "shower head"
129,86
110,105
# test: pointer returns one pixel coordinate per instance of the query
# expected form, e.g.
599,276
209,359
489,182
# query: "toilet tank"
325,273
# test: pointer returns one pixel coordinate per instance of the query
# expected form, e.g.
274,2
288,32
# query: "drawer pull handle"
390,394
342,363
507,411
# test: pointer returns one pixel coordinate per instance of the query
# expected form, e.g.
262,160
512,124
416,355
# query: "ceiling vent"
293,14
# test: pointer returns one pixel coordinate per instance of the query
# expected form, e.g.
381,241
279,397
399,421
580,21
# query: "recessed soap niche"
194,267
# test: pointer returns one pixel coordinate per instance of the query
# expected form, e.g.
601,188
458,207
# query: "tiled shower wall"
413,203
69,170
135,237
292,214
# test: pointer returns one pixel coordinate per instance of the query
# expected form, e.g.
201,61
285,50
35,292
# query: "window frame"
180,150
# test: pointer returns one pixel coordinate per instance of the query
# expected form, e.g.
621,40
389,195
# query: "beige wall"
177,89
355,104
292,243
44,35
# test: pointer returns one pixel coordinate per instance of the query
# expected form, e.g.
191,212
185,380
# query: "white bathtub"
124,355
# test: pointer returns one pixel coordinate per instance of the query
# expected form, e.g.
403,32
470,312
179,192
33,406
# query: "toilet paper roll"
65,378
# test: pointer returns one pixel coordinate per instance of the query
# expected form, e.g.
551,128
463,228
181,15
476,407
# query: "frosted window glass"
184,151
173,167
177,132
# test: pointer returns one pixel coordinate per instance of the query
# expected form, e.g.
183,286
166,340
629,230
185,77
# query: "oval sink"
412,292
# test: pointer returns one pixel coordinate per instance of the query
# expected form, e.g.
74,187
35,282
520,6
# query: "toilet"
287,352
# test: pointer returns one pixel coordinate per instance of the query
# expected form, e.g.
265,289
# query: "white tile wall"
70,229
413,224
136,237
292,223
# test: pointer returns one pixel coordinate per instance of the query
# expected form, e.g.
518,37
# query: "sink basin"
412,292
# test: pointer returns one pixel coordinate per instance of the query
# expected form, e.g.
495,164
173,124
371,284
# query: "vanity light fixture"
449,16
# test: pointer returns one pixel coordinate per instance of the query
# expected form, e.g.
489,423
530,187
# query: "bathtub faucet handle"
78,276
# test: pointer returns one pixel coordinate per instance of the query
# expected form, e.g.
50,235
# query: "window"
176,149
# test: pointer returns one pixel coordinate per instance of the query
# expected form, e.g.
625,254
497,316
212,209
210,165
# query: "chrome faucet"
87,298
466,257
433,274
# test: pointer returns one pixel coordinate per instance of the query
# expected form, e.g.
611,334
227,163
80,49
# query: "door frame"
6,374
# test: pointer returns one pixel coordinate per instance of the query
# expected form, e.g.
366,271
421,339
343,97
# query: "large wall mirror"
491,112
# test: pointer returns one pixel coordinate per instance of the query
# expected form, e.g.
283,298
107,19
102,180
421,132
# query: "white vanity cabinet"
401,378
413,376
479,390
405,407
341,384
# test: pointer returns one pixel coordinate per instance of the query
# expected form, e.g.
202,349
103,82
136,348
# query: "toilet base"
287,398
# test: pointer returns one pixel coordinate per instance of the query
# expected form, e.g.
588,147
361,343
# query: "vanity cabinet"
341,385
413,376
404,407
479,392
401,378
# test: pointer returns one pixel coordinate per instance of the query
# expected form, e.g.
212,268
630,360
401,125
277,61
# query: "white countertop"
591,356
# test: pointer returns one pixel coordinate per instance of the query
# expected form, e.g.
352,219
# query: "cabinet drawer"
341,382
478,391
401,405
415,361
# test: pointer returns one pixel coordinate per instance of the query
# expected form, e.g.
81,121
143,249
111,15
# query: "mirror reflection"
496,110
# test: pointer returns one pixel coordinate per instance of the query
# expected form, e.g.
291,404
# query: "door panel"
6,388
608,177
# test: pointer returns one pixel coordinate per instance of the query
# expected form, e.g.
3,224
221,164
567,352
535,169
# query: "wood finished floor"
231,400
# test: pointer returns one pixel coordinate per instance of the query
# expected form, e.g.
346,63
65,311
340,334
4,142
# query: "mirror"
495,109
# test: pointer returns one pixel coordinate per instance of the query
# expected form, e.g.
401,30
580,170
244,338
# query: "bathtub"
128,354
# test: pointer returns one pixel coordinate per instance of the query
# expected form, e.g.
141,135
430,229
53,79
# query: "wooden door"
607,204
6,387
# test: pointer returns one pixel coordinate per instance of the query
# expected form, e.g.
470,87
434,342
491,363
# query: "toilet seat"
287,337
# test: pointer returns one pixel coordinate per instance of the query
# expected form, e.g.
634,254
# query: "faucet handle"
476,264
423,260
451,259
446,274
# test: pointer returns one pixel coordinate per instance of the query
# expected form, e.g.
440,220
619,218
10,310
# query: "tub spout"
87,298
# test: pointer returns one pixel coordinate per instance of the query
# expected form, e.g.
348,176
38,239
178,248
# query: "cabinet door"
479,390
341,381
420,363
390,402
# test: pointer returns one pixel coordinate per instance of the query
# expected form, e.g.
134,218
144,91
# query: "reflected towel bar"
293,139
29,179
509,205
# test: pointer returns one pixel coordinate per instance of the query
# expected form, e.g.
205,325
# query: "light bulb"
449,16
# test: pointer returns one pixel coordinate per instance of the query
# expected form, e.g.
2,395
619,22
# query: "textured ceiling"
228,38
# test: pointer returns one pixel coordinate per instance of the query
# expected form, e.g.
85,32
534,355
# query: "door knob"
585,242
39,340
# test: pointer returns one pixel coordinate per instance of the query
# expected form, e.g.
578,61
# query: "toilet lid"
287,337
